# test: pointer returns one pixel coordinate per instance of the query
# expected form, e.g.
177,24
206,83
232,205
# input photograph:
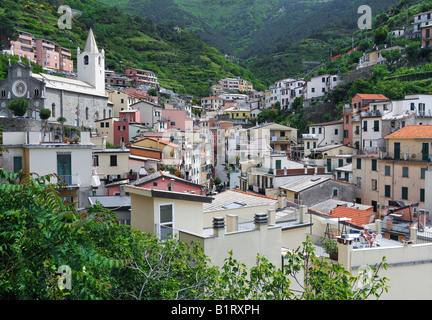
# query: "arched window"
3,93
99,61
104,114
87,113
53,110
86,60
36,92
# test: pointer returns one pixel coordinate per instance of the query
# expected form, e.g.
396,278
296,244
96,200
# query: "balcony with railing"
371,114
417,157
310,136
70,181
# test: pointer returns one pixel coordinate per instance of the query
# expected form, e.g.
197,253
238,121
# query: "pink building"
177,120
121,126
142,77
162,180
24,46
43,52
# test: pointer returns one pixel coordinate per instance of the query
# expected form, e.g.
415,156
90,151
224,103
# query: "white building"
323,134
317,87
72,162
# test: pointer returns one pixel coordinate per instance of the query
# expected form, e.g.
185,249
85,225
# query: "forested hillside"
181,61
269,37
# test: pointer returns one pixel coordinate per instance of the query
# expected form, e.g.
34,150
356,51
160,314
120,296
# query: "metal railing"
70,180
405,156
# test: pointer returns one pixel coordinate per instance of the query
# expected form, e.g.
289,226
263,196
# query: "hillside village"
210,169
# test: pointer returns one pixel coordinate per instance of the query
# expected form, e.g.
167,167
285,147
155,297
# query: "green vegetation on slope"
181,61
268,34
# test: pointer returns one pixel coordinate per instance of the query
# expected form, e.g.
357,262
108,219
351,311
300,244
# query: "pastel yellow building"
237,113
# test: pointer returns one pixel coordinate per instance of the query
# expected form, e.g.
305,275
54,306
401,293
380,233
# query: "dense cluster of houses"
211,173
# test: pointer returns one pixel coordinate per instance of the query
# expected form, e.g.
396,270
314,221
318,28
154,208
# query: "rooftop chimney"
260,219
218,225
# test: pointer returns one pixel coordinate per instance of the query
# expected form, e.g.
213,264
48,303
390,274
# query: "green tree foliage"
7,29
380,35
18,107
40,233
44,114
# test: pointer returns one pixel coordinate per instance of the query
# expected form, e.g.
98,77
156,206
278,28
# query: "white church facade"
80,101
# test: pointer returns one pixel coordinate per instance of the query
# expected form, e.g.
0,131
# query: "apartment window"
313,89
387,170
374,205
17,163
282,133
387,191
278,164
374,184
96,161
173,123
374,165
405,172
335,192
404,193
364,125
106,124
358,163
340,162
323,80
422,195
166,221
64,167
358,182
113,160
308,145
376,125
423,173
319,130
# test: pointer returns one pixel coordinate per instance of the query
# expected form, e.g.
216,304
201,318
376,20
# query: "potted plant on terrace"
331,248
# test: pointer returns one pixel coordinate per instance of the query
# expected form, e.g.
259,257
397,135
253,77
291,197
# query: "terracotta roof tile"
412,131
368,96
358,217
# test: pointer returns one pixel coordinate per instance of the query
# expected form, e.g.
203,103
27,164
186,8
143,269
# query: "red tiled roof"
368,96
412,131
358,217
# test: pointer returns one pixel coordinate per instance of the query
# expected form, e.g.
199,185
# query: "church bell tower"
91,64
